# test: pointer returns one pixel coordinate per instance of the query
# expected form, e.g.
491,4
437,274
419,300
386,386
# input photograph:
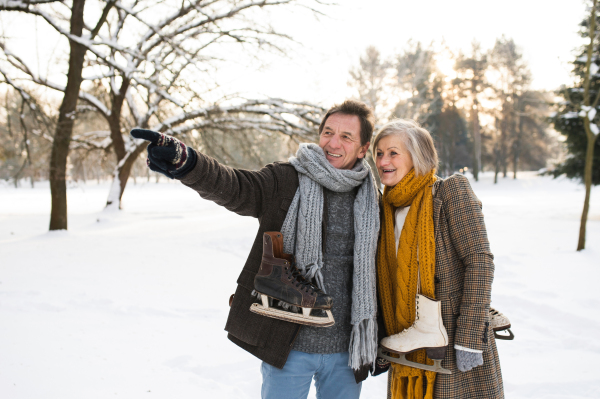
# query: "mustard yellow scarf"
398,273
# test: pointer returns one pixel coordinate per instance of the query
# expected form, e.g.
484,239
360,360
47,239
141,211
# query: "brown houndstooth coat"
464,271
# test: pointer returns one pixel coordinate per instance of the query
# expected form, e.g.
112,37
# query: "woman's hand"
465,361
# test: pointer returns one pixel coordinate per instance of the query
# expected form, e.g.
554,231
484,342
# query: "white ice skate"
427,332
499,322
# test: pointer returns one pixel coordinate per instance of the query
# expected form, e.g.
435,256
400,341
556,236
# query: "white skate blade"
297,318
505,337
437,364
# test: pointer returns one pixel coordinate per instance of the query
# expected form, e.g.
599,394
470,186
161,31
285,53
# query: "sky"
545,30
316,68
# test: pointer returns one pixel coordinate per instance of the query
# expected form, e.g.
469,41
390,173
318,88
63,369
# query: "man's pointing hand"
166,154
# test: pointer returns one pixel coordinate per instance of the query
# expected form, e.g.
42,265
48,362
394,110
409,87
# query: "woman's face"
393,161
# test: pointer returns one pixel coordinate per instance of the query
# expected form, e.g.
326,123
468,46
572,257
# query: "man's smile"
333,155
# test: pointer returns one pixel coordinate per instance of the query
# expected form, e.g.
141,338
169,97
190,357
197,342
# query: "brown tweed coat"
464,271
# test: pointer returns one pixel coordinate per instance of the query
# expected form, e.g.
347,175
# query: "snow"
584,58
589,110
133,303
570,115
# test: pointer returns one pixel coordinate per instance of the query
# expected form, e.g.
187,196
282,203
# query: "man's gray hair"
418,143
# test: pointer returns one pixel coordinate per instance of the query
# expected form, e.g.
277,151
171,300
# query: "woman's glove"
166,154
465,361
381,366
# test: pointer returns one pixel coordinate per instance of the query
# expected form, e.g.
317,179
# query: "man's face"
340,139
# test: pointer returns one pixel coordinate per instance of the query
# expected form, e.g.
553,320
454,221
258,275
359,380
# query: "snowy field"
133,304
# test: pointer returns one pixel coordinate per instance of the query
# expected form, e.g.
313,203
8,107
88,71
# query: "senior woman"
433,242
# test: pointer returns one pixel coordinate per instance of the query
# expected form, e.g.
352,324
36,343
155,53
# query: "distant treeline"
478,106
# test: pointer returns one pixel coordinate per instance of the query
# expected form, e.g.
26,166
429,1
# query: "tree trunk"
476,145
517,147
503,161
515,162
587,178
591,136
496,162
121,175
114,121
64,127
125,160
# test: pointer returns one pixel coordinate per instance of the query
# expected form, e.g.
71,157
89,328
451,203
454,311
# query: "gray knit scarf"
302,236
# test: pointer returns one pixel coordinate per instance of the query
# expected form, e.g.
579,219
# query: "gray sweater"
338,252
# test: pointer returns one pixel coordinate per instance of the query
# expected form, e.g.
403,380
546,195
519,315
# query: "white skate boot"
427,332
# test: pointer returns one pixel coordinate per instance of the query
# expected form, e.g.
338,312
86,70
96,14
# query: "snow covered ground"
132,304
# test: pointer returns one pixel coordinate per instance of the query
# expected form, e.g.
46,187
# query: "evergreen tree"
570,124
568,120
577,117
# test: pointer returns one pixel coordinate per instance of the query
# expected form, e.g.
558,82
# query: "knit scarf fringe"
400,269
302,236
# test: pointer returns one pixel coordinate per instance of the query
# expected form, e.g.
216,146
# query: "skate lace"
495,313
405,331
301,281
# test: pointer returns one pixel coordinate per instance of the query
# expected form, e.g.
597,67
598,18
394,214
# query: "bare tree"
510,79
414,69
154,62
64,125
371,79
471,70
530,140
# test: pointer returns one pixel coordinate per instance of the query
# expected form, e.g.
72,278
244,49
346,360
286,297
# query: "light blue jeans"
333,377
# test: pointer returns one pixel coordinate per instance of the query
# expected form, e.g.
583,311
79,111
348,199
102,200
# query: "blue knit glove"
465,361
166,154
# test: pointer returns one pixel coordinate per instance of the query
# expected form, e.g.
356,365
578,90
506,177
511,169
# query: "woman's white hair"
418,143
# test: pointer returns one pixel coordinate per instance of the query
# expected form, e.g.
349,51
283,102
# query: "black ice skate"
279,279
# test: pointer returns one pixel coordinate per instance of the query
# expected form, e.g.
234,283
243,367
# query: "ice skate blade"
437,364
502,328
508,337
297,318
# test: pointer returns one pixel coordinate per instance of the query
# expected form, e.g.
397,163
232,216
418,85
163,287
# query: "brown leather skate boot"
279,278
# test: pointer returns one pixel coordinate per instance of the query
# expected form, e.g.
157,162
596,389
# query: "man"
325,203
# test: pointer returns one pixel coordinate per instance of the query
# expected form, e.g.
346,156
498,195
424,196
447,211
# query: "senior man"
325,203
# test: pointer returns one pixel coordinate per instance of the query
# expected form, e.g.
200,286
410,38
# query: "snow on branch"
153,88
270,114
167,29
588,111
96,140
570,115
24,95
584,58
18,5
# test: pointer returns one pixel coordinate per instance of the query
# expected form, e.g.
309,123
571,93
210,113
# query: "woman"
433,233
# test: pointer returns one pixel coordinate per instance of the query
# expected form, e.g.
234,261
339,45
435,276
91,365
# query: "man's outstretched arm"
241,191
